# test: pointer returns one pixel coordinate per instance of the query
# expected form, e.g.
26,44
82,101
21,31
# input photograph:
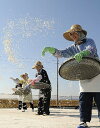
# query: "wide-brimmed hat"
37,64
25,74
74,28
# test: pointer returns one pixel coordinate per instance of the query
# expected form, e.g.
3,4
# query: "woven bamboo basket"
22,91
88,68
40,85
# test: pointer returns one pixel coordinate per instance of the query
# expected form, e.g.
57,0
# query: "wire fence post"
57,84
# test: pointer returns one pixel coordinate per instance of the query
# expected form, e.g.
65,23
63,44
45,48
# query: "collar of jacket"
81,42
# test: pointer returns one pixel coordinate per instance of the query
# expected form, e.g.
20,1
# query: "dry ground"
59,118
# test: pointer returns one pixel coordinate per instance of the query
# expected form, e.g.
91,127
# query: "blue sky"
27,26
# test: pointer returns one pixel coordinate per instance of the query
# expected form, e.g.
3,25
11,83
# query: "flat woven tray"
88,68
21,91
40,85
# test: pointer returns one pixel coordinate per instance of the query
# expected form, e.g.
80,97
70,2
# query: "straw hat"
74,28
37,64
25,74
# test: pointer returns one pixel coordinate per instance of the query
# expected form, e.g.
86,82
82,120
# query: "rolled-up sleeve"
68,52
91,47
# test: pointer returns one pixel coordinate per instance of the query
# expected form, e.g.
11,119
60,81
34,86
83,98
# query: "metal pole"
57,83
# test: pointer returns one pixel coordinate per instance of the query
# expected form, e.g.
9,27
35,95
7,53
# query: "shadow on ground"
94,126
76,115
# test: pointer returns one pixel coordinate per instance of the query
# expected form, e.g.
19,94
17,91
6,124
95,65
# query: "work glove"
82,54
48,49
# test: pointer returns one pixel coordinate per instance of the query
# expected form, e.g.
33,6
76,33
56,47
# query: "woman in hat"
44,94
26,97
89,89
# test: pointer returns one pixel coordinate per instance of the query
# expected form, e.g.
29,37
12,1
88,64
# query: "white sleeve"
15,80
38,78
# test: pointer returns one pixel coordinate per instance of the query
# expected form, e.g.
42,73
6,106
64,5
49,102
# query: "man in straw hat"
89,89
45,94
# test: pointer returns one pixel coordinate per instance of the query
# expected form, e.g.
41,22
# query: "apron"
26,97
90,85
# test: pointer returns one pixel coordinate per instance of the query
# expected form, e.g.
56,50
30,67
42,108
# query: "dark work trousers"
99,114
19,105
44,101
31,105
86,101
25,106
